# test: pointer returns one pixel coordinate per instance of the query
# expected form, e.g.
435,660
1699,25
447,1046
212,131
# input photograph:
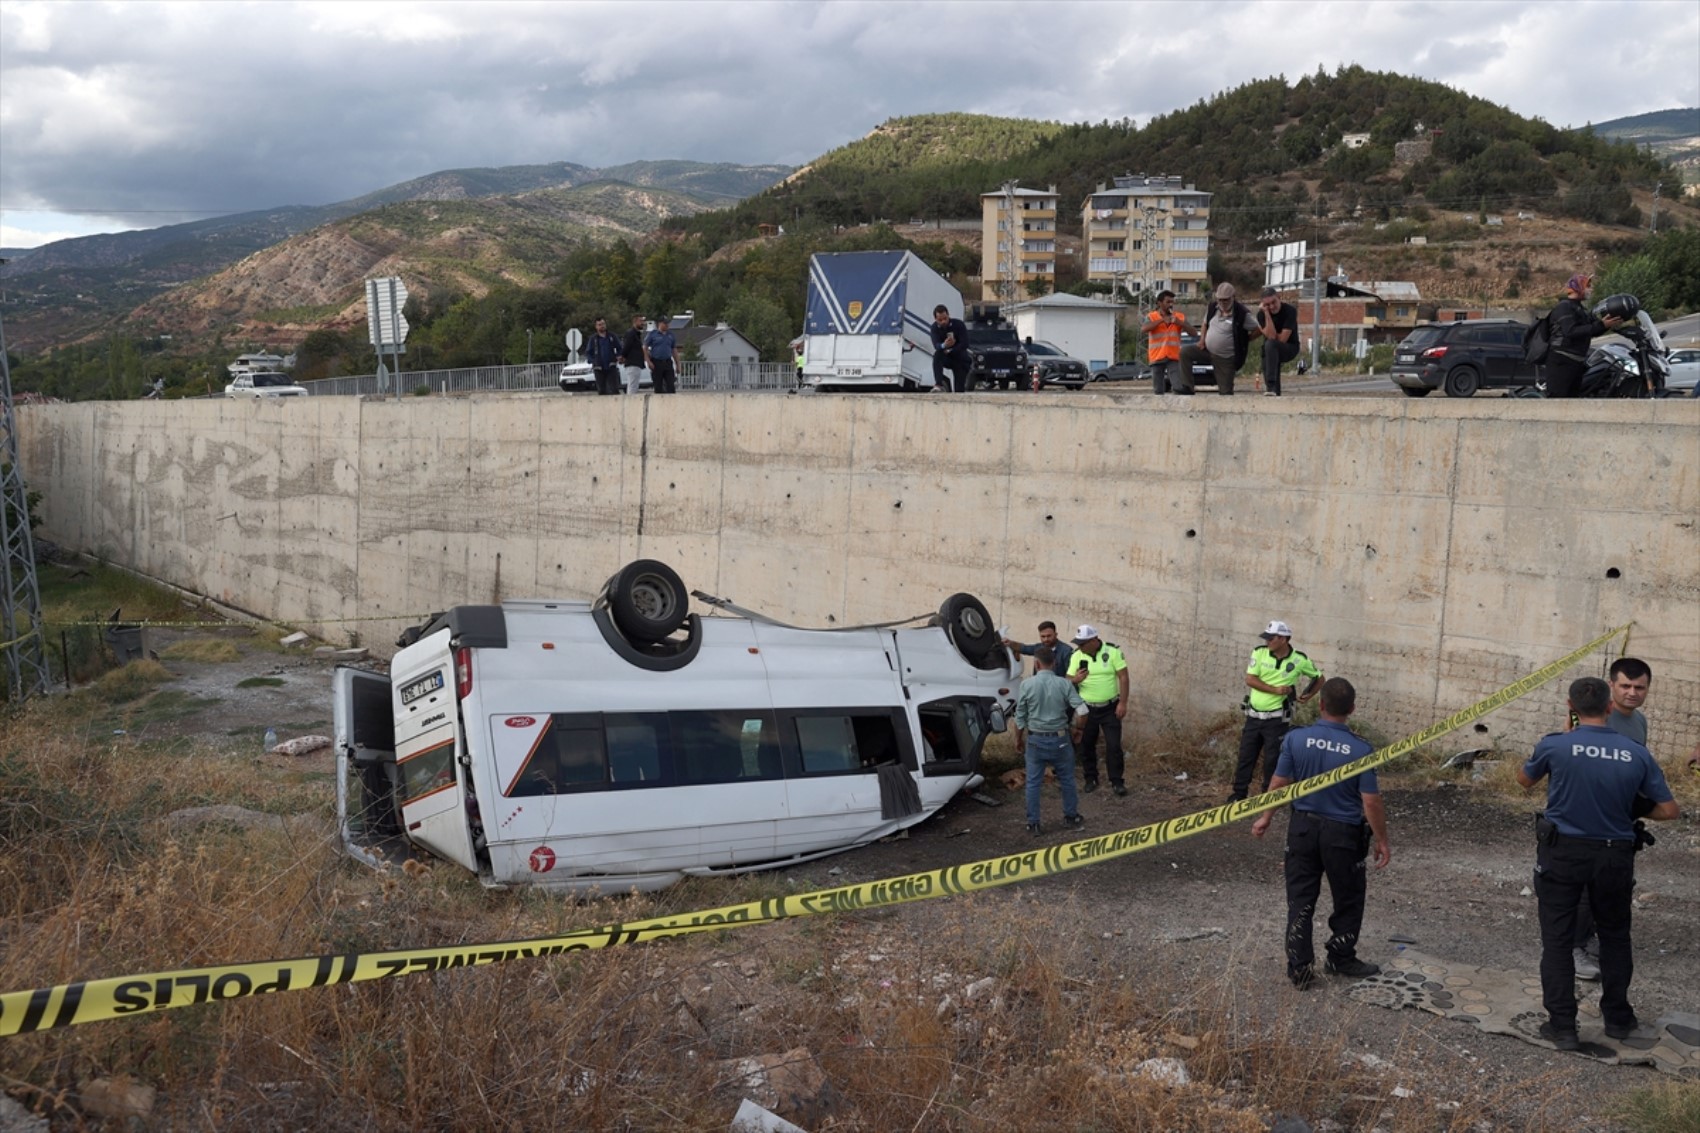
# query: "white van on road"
624,743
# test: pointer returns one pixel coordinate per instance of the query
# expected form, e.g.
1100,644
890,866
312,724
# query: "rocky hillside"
452,246
72,289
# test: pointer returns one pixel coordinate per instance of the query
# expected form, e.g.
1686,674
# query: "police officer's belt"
1102,704
1277,714
1594,843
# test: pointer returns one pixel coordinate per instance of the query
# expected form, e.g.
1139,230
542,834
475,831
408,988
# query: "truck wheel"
648,600
970,629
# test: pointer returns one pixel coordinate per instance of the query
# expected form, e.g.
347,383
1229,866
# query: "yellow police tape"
121,996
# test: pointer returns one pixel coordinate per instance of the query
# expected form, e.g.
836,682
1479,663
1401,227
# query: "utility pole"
1316,315
20,598
1009,244
1654,224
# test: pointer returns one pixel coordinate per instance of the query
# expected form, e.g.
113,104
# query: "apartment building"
1018,246
1148,233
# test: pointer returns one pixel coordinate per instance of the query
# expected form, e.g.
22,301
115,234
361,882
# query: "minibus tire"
648,601
970,628
657,658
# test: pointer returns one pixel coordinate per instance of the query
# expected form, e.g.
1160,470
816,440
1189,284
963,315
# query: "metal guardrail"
546,376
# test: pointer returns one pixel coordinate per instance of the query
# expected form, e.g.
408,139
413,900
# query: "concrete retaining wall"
1430,551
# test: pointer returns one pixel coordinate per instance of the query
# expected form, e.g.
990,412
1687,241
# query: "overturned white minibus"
624,743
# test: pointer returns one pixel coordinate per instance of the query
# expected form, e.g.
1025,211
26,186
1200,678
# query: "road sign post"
385,324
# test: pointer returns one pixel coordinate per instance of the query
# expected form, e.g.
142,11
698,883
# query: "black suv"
1053,367
999,360
1463,357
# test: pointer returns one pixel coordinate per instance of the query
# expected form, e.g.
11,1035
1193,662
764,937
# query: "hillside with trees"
1254,147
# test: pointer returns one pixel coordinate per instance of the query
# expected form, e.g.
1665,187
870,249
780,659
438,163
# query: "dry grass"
1664,1107
997,1011
203,650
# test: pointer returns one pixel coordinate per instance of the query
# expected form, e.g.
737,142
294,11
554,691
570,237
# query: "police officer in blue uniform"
1330,835
1586,844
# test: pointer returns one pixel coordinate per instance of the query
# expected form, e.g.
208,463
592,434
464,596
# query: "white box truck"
868,320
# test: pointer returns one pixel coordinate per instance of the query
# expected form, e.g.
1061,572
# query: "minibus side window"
842,744
634,747
569,754
724,746
828,743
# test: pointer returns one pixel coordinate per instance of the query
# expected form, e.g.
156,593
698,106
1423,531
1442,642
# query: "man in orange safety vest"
1163,329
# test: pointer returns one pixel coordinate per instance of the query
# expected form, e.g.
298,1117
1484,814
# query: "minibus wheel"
969,627
648,601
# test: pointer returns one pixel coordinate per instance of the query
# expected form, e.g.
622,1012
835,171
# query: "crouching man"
1330,835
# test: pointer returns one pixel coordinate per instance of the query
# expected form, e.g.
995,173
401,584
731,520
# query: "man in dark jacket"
1573,328
631,355
1279,324
950,348
602,351
1228,327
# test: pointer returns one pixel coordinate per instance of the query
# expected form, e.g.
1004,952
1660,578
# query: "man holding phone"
950,348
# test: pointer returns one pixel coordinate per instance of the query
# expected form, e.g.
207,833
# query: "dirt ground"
1457,888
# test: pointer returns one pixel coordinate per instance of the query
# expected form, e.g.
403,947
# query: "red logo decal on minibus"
520,721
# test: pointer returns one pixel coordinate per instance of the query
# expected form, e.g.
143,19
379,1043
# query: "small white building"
723,351
1083,328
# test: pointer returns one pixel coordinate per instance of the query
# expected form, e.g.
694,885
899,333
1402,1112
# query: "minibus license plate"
424,686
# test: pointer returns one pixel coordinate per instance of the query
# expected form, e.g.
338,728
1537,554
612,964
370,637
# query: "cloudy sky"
135,114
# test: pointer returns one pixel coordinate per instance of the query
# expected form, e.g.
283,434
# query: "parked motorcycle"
1638,369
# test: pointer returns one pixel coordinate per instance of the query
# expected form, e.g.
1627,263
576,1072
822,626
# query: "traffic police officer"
1100,670
1329,836
1273,678
1586,845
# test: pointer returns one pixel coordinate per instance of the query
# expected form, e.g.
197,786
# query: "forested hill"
1250,146
1681,122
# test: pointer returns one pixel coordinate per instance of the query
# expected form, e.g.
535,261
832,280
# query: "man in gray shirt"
1229,327
1631,677
1048,717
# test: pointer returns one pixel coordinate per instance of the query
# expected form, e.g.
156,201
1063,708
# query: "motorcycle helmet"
1622,306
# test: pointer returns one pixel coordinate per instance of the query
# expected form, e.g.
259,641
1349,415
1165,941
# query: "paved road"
1684,331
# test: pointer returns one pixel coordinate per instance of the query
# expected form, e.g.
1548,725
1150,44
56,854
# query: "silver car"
264,385
1684,369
